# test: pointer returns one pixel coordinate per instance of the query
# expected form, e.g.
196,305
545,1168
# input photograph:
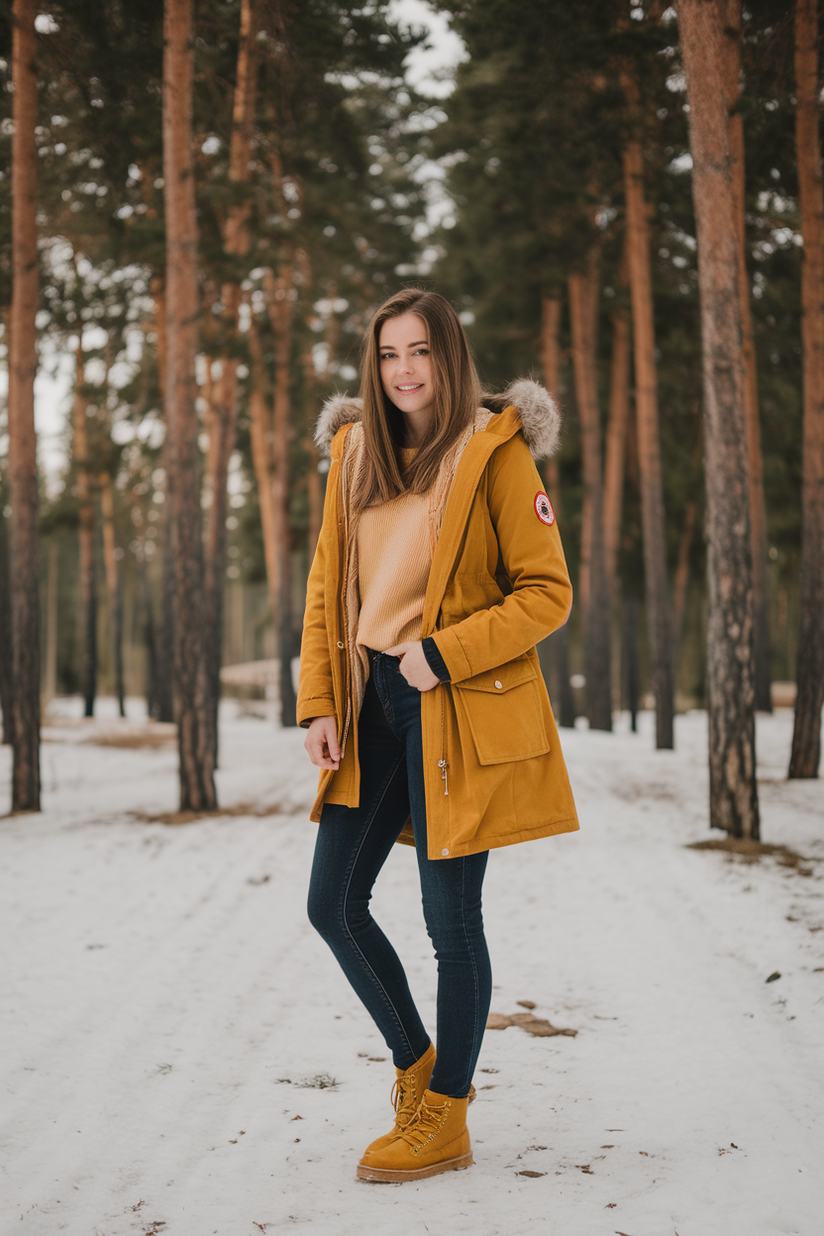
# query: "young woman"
439,567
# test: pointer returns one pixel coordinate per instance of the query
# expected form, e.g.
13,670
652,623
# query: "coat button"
444,853
498,684
340,645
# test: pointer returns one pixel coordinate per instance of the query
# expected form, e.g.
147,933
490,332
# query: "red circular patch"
543,508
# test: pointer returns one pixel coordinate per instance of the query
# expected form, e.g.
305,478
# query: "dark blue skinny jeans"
353,844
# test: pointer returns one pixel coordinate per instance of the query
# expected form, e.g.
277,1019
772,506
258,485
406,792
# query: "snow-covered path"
165,1002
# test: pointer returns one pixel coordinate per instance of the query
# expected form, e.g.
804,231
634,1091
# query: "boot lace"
404,1100
426,1122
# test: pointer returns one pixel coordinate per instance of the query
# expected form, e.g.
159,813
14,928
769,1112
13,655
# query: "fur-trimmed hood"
540,417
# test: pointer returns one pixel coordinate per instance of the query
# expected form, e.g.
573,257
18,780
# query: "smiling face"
406,371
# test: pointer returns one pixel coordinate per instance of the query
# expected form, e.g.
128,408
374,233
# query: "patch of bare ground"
152,739
149,735
748,851
192,817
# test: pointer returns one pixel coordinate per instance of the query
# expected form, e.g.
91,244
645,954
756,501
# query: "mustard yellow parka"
493,769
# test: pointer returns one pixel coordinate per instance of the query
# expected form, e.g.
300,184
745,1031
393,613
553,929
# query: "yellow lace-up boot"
407,1093
435,1140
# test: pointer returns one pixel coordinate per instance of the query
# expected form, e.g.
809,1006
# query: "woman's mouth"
417,386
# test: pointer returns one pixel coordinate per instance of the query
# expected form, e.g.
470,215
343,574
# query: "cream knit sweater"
394,558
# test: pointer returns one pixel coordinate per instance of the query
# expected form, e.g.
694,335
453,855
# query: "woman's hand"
322,742
414,665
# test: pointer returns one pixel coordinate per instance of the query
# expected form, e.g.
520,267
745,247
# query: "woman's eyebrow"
387,346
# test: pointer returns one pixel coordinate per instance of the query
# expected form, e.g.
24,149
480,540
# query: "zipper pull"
442,766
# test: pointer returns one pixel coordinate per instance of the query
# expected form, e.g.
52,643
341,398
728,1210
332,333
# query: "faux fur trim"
540,416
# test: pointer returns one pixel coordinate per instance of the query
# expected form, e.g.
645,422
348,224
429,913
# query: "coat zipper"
442,763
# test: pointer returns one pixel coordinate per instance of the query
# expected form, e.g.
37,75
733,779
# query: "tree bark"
731,67
149,637
52,595
280,303
87,584
260,435
629,650
22,457
194,713
556,644
730,684
5,621
583,300
162,696
616,443
682,568
113,588
649,442
222,406
806,748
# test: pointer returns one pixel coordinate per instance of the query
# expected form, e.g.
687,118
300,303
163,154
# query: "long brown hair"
457,396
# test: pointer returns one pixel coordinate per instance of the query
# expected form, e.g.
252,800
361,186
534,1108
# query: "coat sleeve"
316,695
533,560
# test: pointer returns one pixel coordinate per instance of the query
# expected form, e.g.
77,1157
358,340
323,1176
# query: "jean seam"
348,932
384,696
471,951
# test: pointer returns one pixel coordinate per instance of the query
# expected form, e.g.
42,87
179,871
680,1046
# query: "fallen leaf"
776,974
585,1168
533,1175
537,1026
526,1004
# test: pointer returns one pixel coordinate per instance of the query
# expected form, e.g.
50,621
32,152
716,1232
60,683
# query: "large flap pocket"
502,709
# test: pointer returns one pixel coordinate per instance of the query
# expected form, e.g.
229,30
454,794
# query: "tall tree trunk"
222,407
682,568
5,619
52,589
731,67
730,685
556,644
221,428
649,444
280,300
616,443
314,488
162,701
149,638
806,748
260,435
87,590
22,465
194,711
583,299
629,657
113,588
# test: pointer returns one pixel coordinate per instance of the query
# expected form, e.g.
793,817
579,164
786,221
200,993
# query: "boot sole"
387,1176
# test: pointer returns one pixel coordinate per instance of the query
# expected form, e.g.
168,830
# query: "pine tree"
733,791
806,747
193,709
22,466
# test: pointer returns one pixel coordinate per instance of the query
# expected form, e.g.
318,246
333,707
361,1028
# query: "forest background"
547,189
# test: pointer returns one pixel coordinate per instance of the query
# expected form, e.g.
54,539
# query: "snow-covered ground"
168,1013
